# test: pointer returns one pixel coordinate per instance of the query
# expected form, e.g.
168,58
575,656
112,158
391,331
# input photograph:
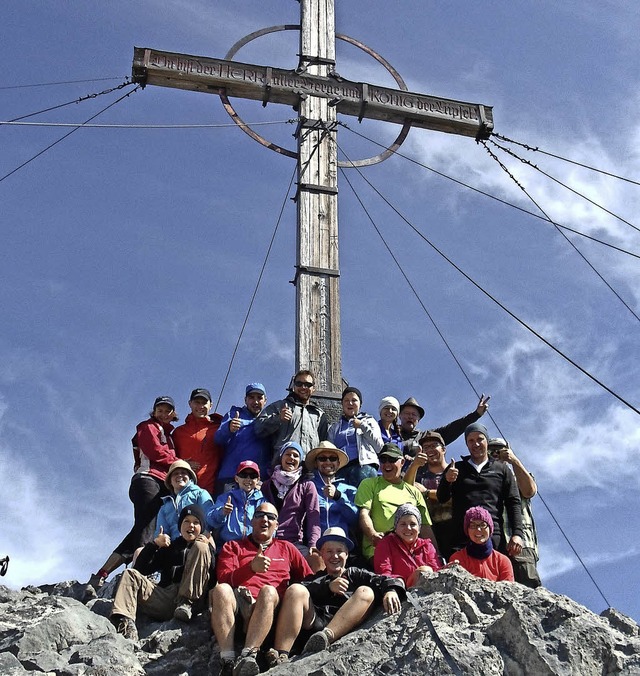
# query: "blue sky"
130,255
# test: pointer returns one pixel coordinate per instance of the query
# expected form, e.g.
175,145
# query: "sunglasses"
261,515
327,458
302,383
387,458
248,475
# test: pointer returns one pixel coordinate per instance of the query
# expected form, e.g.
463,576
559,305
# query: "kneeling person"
185,566
332,602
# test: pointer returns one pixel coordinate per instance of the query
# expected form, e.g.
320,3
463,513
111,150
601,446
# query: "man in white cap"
333,602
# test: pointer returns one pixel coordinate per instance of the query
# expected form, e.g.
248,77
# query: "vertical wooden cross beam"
317,281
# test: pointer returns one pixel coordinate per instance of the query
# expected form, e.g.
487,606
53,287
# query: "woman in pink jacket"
153,455
402,553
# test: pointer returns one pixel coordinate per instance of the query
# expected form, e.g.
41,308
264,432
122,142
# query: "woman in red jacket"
153,455
402,553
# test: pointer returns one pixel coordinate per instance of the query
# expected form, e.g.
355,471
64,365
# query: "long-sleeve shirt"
234,565
393,557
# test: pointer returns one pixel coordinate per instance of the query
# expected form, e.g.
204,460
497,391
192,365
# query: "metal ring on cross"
290,153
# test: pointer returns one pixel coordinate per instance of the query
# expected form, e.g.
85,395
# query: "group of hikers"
292,529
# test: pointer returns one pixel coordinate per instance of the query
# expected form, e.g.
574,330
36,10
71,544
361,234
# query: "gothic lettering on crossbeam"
249,81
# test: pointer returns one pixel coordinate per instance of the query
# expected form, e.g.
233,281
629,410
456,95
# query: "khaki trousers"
137,592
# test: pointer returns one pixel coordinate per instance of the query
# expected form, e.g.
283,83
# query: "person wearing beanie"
237,436
295,418
388,409
296,499
358,435
153,454
195,440
182,481
402,552
482,479
186,567
479,557
379,497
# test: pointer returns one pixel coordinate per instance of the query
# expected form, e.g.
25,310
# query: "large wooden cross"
317,93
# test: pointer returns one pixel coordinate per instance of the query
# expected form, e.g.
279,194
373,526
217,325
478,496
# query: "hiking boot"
321,640
183,611
273,658
226,667
126,627
247,665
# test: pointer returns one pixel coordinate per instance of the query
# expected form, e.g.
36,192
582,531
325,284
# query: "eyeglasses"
302,383
262,515
248,475
478,526
387,458
327,458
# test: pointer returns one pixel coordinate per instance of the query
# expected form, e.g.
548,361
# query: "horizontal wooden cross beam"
277,85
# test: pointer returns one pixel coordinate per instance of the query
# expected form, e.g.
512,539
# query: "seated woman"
296,499
479,557
402,553
183,483
388,409
358,435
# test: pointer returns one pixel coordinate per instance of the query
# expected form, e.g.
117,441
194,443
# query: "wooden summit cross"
317,93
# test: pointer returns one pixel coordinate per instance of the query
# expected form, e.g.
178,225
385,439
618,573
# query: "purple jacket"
299,516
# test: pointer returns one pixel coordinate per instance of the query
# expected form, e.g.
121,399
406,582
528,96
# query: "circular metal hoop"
290,153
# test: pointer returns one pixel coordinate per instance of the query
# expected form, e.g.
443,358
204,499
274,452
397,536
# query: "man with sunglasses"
295,418
253,574
336,497
379,497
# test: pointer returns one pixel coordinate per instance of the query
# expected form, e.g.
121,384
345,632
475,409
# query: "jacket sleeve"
382,560
150,443
444,490
150,559
513,503
371,430
323,427
206,502
332,431
380,584
318,588
268,422
162,520
312,515
215,516
223,434
451,431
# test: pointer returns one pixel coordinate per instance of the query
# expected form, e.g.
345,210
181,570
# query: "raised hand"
483,404
451,473
285,413
162,539
234,423
228,506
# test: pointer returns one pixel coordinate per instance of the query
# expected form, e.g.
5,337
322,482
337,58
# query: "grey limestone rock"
456,624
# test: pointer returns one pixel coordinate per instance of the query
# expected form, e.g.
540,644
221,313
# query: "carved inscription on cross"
317,93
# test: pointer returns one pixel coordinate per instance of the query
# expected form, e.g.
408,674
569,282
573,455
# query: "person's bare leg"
296,611
261,618
352,613
223,616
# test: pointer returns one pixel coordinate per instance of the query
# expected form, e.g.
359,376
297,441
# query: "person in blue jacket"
182,482
335,496
231,515
237,435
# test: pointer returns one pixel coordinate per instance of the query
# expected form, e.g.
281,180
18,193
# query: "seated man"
379,497
334,601
253,574
185,566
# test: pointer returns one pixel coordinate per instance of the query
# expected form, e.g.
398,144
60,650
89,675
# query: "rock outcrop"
456,624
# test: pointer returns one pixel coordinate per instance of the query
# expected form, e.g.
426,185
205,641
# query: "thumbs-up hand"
162,539
260,563
451,473
228,506
285,413
234,423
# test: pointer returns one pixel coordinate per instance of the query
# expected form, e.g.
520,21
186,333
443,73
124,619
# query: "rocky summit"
453,624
